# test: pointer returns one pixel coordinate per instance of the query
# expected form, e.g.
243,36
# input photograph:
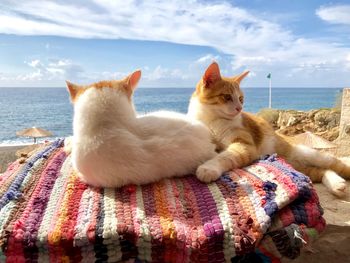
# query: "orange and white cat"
243,137
112,146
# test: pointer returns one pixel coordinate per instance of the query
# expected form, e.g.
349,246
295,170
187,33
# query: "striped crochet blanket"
263,212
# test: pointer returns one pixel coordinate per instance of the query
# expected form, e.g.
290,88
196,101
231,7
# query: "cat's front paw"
208,173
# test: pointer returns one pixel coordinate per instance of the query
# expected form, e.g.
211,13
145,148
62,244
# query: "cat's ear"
133,79
241,76
212,74
73,90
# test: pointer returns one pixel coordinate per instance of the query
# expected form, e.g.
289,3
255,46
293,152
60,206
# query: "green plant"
270,115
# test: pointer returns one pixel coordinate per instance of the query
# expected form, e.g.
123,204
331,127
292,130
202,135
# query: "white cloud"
207,59
338,14
199,65
57,70
161,73
220,25
34,63
157,73
247,40
54,70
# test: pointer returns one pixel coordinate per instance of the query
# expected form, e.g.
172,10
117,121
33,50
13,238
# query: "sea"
50,108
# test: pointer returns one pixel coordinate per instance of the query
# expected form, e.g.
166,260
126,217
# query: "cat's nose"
239,108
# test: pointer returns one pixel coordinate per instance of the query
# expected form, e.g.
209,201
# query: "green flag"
269,76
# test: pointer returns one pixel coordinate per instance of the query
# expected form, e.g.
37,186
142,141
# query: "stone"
289,118
344,134
323,122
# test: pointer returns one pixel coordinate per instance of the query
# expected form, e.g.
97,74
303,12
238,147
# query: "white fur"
311,156
334,183
208,114
223,129
209,171
113,147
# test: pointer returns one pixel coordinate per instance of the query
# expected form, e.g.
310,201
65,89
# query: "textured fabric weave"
265,211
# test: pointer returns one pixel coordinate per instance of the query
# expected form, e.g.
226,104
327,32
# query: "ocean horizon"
50,108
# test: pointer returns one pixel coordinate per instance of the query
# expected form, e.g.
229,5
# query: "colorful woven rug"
261,213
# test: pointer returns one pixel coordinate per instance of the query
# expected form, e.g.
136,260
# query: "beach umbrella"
313,141
34,132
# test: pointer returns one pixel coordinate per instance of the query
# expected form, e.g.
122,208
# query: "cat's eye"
241,99
227,97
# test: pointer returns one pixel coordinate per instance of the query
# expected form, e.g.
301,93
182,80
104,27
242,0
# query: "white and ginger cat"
243,137
112,146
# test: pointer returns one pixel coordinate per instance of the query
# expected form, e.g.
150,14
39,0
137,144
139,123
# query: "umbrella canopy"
313,141
34,132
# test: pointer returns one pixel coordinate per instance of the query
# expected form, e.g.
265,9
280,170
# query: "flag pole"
270,93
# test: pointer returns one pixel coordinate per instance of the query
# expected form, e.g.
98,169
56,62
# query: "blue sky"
302,43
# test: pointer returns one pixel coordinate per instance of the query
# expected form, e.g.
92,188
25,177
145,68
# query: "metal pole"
270,94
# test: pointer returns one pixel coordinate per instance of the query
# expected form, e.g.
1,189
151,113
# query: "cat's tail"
310,161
